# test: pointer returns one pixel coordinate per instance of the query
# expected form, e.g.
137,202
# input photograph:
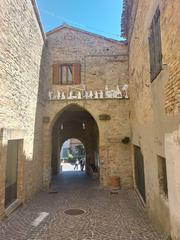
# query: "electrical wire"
66,20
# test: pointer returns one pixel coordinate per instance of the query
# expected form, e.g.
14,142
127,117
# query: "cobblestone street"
107,216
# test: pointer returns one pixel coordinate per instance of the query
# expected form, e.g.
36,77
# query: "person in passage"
82,164
76,164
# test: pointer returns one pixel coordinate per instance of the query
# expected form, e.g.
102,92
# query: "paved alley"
106,216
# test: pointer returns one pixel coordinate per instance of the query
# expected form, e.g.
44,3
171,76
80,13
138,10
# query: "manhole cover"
74,211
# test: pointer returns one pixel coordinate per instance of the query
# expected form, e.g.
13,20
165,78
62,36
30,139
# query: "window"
162,176
155,50
66,74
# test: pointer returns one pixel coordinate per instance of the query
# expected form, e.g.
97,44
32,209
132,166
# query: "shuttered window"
155,49
67,74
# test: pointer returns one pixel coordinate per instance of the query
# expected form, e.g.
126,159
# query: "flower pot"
114,182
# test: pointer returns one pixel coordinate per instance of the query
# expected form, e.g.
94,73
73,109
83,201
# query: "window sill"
64,85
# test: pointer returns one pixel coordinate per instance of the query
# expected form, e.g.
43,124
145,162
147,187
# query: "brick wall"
171,55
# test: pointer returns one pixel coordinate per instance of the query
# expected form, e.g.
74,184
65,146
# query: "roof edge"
130,9
124,21
36,11
84,31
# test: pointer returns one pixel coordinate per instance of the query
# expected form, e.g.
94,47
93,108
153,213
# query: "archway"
72,156
76,122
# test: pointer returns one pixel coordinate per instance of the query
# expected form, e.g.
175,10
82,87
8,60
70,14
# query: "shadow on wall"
35,177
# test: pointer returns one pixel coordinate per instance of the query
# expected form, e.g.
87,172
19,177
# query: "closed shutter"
152,54
158,46
155,48
77,73
56,74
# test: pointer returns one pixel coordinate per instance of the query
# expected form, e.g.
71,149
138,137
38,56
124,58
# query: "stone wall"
21,48
152,103
103,62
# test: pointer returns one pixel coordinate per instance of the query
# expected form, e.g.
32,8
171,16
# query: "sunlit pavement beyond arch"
66,167
107,216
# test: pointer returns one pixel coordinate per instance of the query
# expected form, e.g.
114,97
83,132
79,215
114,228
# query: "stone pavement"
107,216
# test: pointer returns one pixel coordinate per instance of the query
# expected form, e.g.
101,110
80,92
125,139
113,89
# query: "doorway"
139,172
11,172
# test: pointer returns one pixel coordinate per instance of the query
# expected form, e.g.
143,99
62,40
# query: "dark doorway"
139,172
11,172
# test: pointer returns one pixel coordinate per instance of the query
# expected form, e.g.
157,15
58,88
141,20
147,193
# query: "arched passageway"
75,122
72,156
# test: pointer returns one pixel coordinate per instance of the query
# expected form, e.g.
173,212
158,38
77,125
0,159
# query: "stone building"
21,104
70,83
67,84
152,28
81,65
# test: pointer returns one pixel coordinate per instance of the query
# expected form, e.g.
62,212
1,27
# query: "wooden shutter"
56,74
76,73
155,48
151,53
158,47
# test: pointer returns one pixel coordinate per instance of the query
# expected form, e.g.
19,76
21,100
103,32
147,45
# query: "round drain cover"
74,211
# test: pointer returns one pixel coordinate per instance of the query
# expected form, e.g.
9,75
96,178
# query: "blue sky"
97,16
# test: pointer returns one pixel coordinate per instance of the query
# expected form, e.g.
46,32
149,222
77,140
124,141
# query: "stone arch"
81,140
74,121
58,113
